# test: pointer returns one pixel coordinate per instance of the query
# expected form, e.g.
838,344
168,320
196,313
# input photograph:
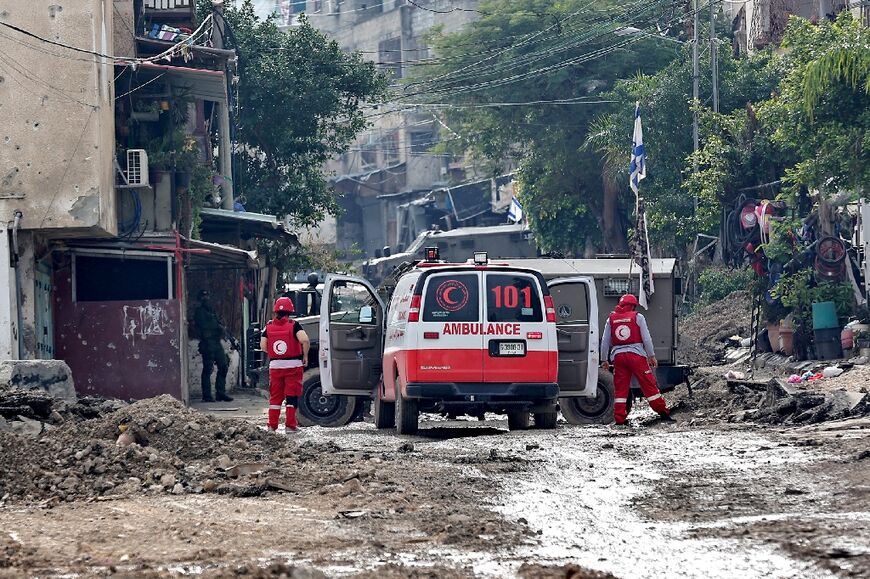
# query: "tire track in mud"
646,502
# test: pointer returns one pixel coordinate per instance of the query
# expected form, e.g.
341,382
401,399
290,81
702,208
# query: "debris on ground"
777,400
706,333
155,445
529,571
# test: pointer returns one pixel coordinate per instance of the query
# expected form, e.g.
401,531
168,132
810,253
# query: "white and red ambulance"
455,339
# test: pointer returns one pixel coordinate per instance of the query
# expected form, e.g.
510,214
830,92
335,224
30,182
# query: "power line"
586,57
118,59
592,34
452,9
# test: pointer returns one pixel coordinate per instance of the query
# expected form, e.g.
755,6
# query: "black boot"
665,417
222,397
206,397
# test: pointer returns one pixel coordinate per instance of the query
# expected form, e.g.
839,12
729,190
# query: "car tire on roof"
598,410
518,420
318,409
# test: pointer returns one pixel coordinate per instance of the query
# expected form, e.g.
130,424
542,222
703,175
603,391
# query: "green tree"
560,58
300,102
666,108
822,108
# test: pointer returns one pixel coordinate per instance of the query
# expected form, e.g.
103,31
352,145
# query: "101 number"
508,296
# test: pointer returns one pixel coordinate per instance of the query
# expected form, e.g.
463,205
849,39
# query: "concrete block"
53,376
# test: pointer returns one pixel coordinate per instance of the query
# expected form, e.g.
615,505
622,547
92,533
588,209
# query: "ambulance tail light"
551,309
535,335
430,335
414,311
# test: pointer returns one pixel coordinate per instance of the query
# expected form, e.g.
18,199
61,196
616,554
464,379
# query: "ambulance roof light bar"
480,258
432,255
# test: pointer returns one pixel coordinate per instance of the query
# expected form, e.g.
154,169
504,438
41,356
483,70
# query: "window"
451,298
106,279
347,299
512,298
615,287
422,142
390,56
390,147
368,155
571,303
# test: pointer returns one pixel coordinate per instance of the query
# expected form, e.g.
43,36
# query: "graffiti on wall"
143,321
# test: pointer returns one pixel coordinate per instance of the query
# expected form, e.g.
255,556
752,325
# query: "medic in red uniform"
287,345
627,343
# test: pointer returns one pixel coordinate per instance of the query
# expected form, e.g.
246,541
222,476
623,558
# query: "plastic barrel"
827,344
825,316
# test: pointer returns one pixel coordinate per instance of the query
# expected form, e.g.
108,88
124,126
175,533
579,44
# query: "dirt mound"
704,334
155,445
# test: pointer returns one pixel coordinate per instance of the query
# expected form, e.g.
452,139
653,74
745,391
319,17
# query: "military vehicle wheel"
546,420
598,410
385,412
518,420
319,409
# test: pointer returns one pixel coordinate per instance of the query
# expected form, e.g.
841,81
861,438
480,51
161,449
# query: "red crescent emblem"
445,295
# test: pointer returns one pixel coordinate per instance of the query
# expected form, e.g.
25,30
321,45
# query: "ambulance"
453,339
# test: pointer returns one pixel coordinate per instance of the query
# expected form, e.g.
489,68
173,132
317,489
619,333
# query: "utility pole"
695,87
714,57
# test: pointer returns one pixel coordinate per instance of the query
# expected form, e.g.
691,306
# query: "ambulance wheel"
385,412
318,409
546,420
407,414
598,410
518,420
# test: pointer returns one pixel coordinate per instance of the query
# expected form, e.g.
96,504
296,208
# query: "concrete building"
758,23
114,134
393,185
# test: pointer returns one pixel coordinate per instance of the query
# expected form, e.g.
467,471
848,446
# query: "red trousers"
284,383
625,366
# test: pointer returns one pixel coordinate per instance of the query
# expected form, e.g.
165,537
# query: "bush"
716,283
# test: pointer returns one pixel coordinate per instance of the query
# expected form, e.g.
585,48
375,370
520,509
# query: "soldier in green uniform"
210,331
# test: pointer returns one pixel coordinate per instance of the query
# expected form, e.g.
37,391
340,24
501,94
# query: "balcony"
182,12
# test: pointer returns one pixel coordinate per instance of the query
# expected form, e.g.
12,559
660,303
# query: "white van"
455,339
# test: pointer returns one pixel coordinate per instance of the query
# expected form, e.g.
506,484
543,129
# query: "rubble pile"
776,401
704,334
153,446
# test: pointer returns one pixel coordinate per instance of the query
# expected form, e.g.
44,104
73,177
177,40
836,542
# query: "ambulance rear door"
351,336
516,335
576,304
447,345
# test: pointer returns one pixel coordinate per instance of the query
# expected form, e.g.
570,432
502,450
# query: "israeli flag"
638,155
515,213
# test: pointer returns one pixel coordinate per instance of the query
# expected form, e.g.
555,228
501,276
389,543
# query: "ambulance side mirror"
366,315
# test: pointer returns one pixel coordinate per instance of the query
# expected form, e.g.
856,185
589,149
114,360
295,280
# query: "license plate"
511,349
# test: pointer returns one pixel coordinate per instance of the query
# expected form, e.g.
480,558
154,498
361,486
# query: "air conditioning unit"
137,168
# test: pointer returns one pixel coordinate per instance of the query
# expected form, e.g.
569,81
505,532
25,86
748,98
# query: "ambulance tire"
596,411
385,413
546,420
518,420
317,409
407,414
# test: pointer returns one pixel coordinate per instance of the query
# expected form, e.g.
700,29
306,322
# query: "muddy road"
470,499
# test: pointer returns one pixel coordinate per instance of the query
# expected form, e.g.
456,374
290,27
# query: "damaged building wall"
56,117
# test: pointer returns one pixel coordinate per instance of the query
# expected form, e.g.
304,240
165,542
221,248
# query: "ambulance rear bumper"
483,391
